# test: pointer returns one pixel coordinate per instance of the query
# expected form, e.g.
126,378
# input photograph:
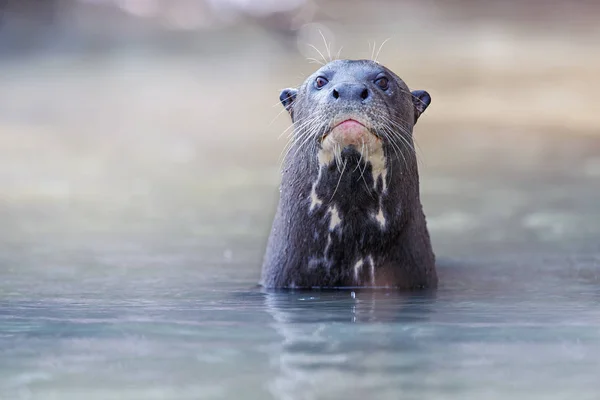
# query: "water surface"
102,331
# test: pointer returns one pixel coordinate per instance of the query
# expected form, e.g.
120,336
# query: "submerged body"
350,212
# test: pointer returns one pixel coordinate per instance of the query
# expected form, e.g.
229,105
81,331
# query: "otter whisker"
295,124
380,47
389,136
290,146
278,104
310,134
318,51
399,140
398,126
389,129
362,174
362,170
315,61
335,157
285,130
310,129
404,139
286,150
415,144
277,116
362,149
395,146
326,45
402,130
389,163
418,154
373,50
337,152
415,97
388,126
306,123
339,180
394,139
408,134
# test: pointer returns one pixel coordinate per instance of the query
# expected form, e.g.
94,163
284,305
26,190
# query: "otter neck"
348,176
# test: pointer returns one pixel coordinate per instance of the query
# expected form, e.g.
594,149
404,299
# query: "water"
129,257
490,331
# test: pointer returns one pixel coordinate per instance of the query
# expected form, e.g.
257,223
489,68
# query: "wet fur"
303,250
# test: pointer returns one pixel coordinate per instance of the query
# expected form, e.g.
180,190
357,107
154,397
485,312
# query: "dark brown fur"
303,250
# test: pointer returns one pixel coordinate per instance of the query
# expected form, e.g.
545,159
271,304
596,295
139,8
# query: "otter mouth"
349,123
349,131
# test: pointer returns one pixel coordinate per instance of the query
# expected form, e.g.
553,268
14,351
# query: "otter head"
358,108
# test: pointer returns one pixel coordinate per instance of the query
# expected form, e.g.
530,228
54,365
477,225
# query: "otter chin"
349,213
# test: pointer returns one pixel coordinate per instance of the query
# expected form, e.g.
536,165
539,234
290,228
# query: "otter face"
355,104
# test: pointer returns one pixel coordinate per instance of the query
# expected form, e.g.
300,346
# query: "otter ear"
287,97
421,99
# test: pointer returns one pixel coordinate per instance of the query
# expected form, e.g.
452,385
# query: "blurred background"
139,173
149,121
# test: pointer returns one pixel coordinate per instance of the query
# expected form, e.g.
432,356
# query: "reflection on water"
187,340
335,343
514,338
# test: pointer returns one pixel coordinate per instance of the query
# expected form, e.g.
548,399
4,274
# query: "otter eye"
382,83
320,82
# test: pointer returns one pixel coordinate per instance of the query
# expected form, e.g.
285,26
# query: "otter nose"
350,91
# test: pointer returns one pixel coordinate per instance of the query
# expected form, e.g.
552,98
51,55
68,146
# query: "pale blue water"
116,321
